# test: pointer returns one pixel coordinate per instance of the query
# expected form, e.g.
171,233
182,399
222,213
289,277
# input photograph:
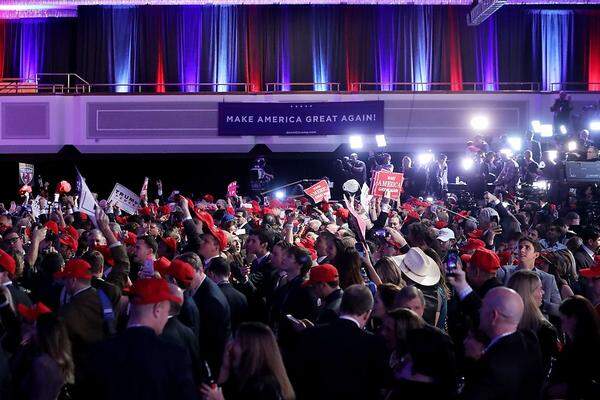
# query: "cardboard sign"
319,191
385,181
232,189
125,199
26,173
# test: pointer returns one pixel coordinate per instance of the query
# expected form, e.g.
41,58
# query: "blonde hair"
525,282
53,339
260,355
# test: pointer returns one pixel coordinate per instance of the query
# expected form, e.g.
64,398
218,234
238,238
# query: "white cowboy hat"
418,267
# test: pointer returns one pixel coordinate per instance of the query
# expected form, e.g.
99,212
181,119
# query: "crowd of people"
237,298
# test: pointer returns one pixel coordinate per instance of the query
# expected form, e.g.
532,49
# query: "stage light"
480,122
595,126
552,155
515,142
507,152
356,142
542,185
280,195
563,129
425,158
380,139
536,125
546,130
467,163
572,145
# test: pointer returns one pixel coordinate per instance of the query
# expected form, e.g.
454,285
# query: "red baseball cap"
220,235
105,250
53,226
171,243
69,241
162,266
342,213
7,263
322,273
130,238
75,268
485,260
182,271
32,313
472,244
152,291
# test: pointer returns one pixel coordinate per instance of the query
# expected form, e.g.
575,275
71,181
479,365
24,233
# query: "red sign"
384,181
319,191
232,189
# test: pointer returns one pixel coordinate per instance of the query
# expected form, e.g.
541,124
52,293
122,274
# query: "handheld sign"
125,199
319,191
384,181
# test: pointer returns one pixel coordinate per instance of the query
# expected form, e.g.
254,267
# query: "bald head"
175,308
500,312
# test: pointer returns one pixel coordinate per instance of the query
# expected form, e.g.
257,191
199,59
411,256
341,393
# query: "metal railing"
154,87
330,86
444,86
70,77
26,86
575,86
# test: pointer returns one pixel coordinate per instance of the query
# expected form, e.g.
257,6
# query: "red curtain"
594,51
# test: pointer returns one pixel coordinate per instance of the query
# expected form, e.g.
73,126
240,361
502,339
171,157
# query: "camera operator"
382,162
530,170
356,168
259,175
562,110
533,145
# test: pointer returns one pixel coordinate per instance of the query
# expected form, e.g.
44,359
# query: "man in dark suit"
213,308
511,364
341,360
219,271
325,282
138,364
584,256
177,333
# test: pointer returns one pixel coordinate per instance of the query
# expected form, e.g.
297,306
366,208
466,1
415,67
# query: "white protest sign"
125,199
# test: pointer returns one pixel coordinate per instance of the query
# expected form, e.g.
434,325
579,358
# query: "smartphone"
148,267
381,233
240,232
451,261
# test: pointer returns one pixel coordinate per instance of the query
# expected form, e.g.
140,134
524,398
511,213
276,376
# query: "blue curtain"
553,39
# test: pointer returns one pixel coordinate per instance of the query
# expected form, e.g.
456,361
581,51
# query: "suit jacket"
215,322
330,308
551,300
237,304
84,321
189,314
511,368
339,361
582,259
18,294
177,333
138,364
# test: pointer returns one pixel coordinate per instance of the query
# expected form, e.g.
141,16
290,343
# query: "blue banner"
289,119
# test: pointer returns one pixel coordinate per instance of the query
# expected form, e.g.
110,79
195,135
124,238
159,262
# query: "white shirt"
349,318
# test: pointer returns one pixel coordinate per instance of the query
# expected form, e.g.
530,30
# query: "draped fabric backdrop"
389,47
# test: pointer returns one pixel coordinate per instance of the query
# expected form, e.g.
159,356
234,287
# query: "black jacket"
330,308
189,314
339,361
582,259
177,333
511,368
237,304
137,364
215,322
